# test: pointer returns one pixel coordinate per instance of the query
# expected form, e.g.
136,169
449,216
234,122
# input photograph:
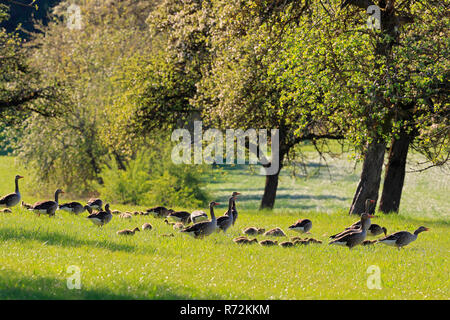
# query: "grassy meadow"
35,252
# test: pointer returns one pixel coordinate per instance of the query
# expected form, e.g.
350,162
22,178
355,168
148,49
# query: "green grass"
35,252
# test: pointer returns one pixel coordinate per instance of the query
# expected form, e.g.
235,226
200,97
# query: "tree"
21,89
410,52
257,81
209,66
70,150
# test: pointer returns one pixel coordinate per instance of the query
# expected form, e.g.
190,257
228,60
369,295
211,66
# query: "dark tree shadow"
60,239
16,286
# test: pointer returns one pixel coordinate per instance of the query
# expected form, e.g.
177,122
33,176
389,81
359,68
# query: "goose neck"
17,186
211,211
230,205
365,224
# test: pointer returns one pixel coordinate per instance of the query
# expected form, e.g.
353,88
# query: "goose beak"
427,229
20,177
371,216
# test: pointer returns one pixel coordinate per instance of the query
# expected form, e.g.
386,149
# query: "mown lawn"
35,252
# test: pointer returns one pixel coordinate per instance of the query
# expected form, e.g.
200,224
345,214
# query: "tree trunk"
395,173
369,183
270,189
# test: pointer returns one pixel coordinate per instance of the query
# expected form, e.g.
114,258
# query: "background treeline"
89,104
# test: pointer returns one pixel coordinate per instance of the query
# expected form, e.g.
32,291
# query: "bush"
149,179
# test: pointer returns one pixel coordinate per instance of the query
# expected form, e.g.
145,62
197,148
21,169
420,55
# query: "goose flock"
198,225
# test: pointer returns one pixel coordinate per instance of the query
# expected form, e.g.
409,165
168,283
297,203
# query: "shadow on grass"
17,286
59,239
294,197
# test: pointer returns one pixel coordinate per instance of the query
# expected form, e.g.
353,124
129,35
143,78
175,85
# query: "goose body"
102,217
180,216
286,244
357,225
47,207
354,237
226,221
275,232
300,242
26,205
159,212
128,231
402,238
205,228
147,226
253,231
368,242
233,209
175,225
95,203
376,230
244,240
268,242
302,225
12,199
198,216
75,207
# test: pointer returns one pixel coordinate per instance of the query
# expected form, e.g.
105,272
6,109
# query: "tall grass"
35,252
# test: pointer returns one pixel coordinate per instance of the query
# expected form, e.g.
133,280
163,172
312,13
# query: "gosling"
147,226
275,232
244,240
268,242
253,231
128,231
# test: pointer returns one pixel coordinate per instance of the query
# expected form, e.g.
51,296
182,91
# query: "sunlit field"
36,252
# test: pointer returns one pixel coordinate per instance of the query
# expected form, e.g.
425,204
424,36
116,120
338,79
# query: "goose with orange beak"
227,220
402,238
355,237
47,207
12,199
357,225
205,228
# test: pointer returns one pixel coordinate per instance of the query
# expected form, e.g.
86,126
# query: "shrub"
149,179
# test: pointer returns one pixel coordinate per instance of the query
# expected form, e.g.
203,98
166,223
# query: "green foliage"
21,87
69,150
151,179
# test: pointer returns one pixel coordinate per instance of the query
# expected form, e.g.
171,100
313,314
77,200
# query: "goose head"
368,203
365,220
421,229
18,177
384,230
57,193
88,209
